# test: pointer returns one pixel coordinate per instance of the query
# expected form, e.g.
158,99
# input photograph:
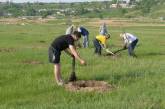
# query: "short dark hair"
77,34
108,35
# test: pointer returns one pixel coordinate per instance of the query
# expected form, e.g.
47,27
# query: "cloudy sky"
20,1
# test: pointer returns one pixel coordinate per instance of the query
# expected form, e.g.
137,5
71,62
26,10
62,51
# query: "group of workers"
66,43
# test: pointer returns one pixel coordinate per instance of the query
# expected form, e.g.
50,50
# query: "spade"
73,74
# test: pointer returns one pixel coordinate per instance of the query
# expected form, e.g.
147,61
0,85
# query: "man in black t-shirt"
66,43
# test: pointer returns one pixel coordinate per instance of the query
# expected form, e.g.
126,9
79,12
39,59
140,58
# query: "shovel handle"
73,64
118,50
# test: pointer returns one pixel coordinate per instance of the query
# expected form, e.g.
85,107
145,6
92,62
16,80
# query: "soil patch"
7,50
42,41
32,62
109,22
89,86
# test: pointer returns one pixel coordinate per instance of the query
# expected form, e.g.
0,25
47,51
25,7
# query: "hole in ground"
89,86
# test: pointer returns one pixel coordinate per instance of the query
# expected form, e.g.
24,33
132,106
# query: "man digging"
130,42
100,43
66,43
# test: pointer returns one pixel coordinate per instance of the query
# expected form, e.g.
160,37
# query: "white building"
122,4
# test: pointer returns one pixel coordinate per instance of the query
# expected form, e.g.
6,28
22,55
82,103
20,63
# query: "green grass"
140,82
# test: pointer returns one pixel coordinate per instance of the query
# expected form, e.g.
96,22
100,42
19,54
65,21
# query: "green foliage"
13,9
31,12
131,2
148,8
114,1
1,13
146,5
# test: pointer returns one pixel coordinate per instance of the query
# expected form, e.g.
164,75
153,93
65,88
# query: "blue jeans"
131,47
97,47
85,41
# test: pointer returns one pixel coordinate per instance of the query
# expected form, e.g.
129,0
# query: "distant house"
42,10
122,4
113,6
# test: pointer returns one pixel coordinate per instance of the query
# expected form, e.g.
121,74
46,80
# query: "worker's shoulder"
100,35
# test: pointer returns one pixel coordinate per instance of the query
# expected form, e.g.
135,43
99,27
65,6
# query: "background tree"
114,1
146,5
31,12
131,2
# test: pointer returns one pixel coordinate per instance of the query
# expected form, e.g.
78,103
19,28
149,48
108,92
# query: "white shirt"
129,38
69,30
103,29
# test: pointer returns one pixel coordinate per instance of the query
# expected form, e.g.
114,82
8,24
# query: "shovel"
73,74
119,50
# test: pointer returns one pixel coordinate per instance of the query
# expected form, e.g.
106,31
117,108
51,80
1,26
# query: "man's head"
107,36
76,35
121,35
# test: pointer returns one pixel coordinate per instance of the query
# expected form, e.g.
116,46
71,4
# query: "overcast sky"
20,1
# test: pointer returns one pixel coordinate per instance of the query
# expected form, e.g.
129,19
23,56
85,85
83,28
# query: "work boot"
60,83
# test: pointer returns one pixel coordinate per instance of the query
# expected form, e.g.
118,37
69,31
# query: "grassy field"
27,80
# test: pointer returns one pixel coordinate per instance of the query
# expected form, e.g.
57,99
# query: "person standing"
70,29
103,29
63,43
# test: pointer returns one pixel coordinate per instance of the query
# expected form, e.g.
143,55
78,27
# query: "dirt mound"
89,86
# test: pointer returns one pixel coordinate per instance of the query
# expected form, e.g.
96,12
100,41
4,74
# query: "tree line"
71,9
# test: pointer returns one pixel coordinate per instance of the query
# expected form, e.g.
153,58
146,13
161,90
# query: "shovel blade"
72,77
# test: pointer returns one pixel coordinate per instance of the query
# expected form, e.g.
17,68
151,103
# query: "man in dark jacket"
84,32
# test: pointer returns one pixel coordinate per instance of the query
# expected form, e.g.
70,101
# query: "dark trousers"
97,47
131,47
54,55
85,41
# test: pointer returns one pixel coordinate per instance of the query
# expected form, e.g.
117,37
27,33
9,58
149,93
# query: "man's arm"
124,44
125,40
76,55
106,49
67,51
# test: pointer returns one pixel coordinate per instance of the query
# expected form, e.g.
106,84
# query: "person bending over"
63,43
100,43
